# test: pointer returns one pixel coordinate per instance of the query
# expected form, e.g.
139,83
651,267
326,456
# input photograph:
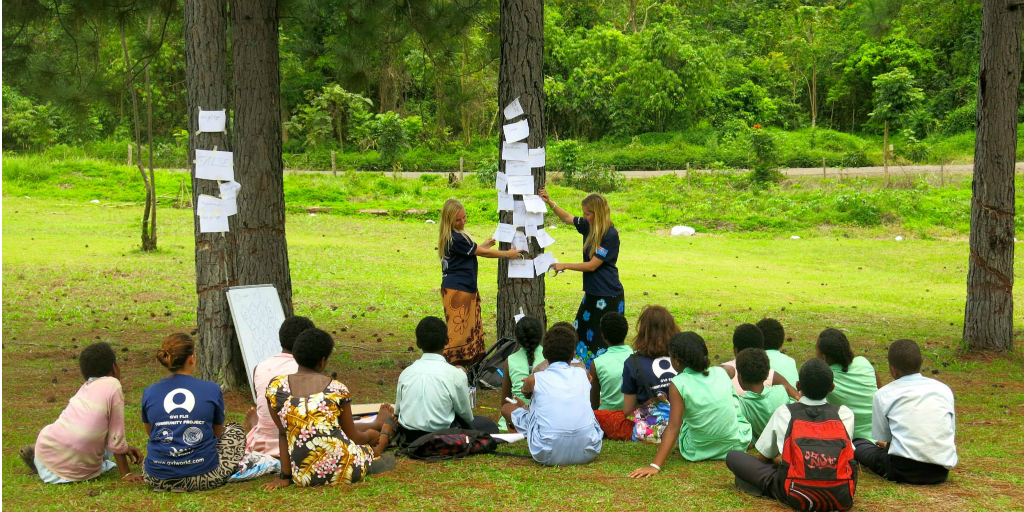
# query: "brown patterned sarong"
465,327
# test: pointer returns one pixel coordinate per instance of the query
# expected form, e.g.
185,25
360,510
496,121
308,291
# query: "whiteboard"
257,314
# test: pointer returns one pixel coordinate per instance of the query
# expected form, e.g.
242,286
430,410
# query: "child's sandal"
28,456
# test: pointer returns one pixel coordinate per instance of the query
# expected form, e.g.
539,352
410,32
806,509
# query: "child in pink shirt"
90,430
262,434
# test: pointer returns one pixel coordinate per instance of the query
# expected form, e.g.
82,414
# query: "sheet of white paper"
218,224
504,201
531,230
542,262
214,165
535,204
509,438
520,269
513,109
519,317
212,120
518,214
231,206
501,183
544,239
520,185
504,233
517,131
519,241
534,219
517,168
537,157
515,151
209,206
229,190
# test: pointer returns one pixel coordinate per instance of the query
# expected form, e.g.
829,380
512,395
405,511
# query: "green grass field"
72,275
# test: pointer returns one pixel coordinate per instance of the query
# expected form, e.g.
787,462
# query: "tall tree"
259,224
988,316
521,75
206,66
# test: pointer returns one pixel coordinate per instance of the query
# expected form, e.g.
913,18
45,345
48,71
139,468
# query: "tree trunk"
151,185
988,316
259,224
885,152
521,75
814,95
146,243
206,66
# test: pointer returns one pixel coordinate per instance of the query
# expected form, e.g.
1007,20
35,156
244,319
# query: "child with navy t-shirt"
190,448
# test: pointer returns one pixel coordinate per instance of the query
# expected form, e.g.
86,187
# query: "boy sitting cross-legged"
816,470
913,421
432,394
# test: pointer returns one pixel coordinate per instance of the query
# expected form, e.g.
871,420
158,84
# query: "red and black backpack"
817,458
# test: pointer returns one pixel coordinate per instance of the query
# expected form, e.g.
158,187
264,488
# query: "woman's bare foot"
250,419
386,411
28,456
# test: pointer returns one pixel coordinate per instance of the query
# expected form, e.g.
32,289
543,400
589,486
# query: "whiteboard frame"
250,366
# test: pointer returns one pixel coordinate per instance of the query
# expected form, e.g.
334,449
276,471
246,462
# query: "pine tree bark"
206,67
988,316
521,75
259,224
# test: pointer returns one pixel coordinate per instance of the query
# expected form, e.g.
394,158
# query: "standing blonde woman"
459,294
602,290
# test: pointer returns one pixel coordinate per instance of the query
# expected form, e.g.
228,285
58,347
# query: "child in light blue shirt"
559,425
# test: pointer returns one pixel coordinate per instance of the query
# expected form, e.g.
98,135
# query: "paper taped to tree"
215,165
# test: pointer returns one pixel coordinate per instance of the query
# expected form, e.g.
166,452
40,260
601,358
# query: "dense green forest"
412,83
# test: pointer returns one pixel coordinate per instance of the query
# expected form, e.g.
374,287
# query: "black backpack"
486,374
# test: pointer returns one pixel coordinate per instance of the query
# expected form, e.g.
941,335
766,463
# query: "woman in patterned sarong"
459,294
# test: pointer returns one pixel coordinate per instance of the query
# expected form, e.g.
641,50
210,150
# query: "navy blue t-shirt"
458,268
657,373
604,281
182,410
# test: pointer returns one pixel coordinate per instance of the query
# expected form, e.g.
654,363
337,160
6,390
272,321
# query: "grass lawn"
72,275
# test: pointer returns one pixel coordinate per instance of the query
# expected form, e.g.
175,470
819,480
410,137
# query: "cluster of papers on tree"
528,209
211,164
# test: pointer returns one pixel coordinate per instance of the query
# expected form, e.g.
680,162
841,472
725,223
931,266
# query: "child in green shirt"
705,418
760,401
521,363
606,376
855,379
774,336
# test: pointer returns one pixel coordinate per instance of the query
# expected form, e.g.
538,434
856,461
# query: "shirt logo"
602,252
661,366
170,404
192,436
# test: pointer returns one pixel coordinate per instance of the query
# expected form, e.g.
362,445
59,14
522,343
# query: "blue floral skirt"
588,324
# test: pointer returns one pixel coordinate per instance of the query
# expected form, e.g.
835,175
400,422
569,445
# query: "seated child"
559,425
745,336
318,441
855,378
705,417
763,475
262,436
190,447
647,374
913,422
521,363
432,394
760,401
774,337
90,430
606,376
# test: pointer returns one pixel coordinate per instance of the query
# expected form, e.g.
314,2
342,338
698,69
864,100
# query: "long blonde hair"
597,204
449,211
